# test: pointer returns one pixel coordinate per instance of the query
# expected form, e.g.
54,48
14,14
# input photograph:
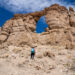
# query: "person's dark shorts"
32,55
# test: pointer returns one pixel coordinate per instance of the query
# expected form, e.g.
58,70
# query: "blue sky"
9,7
4,15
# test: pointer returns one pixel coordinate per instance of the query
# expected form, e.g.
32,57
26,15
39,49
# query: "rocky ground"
49,60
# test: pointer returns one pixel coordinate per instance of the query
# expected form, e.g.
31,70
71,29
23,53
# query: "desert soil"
49,60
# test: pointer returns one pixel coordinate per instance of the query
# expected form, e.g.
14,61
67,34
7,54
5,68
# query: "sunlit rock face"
72,16
20,30
72,24
57,17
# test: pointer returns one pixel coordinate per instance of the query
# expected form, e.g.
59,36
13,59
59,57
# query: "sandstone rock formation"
20,30
57,17
72,17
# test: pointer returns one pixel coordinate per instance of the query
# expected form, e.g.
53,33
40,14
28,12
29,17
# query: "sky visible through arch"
9,7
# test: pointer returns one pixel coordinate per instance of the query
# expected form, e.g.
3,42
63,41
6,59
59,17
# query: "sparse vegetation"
48,53
40,55
72,68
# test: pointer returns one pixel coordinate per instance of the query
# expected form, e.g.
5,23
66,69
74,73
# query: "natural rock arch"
60,31
41,25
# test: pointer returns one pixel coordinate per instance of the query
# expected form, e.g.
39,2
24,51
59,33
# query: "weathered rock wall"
72,24
20,30
57,17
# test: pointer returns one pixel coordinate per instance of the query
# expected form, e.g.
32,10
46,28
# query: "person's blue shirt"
32,50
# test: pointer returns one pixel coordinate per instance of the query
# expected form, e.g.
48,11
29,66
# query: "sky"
9,7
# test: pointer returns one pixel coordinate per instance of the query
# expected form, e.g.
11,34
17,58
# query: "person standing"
32,53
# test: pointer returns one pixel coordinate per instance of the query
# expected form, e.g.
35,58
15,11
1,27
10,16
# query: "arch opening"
41,25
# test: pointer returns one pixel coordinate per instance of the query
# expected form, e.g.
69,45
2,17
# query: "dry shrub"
72,67
40,55
17,49
38,67
48,53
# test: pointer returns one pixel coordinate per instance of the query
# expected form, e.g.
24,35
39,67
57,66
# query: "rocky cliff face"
57,17
20,30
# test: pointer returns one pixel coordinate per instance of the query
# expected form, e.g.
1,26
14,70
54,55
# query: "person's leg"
32,55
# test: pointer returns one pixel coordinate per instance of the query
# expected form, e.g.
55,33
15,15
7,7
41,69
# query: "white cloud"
29,5
24,5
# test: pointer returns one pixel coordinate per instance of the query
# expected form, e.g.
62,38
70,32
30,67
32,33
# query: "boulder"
3,38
